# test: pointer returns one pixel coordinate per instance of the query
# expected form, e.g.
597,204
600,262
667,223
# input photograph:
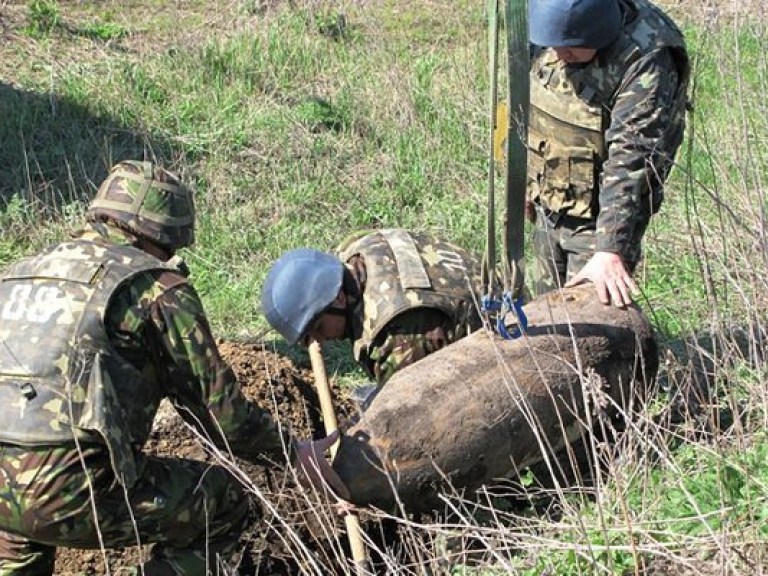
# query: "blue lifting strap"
500,308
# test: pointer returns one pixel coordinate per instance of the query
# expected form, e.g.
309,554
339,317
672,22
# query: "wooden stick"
359,555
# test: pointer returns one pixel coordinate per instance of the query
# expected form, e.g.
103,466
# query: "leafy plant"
104,30
43,17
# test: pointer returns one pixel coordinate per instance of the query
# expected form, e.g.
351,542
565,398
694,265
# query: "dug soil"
287,390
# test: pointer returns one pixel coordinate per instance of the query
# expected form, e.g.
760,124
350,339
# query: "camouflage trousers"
54,496
562,248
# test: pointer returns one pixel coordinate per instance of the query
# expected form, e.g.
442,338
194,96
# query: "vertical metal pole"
489,260
518,84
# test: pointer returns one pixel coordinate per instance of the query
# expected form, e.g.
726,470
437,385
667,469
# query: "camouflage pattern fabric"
157,326
190,510
72,385
196,378
148,201
561,251
408,338
603,134
411,284
149,316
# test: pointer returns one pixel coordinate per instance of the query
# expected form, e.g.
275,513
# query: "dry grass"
270,180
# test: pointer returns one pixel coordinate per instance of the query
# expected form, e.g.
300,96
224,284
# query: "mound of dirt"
288,392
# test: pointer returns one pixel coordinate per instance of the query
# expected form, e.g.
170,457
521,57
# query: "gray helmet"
582,23
147,201
300,285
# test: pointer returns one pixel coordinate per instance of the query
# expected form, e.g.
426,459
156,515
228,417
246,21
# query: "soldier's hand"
314,469
612,281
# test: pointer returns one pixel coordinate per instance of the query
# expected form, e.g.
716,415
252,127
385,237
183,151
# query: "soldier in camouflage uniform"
94,333
607,113
397,296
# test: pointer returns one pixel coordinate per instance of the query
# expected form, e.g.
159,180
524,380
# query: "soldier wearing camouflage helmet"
607,113
396,295
94,333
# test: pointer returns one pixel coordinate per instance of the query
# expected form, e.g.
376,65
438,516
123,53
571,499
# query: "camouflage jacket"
94,334
411,284
603,134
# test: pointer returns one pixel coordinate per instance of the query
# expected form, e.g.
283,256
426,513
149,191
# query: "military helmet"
147,201
300,285
574,23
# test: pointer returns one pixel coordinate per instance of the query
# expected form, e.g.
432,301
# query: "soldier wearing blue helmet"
585,23
301,286
607,114
397,295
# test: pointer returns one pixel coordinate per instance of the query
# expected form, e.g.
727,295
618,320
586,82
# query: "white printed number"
34,304
452,260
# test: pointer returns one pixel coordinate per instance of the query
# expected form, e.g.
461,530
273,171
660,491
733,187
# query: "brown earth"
286,390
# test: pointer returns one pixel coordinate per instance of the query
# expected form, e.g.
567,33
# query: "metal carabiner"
501,308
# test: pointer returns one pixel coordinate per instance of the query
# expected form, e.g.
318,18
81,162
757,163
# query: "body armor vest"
570,111
60,378
407,271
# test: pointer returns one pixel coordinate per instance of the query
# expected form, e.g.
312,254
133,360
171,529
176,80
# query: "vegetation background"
301,121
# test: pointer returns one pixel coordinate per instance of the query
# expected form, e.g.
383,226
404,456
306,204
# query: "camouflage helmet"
300,285
147,201
574,23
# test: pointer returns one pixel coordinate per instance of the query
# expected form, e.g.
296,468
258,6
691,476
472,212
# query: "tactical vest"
570,113
60,378
407,271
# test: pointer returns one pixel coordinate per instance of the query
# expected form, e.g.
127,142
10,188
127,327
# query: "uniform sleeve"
408,338
636,165
203,385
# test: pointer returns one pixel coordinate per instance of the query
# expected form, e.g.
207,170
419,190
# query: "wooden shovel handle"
352,524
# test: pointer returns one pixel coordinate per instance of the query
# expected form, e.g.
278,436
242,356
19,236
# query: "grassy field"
300,122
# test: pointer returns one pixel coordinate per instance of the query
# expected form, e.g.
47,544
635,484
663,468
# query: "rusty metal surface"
484,408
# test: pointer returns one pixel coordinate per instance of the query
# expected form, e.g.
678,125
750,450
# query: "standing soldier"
397,296
94,333
607,114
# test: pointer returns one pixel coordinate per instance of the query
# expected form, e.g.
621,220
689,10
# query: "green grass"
104,30
297,126
676,505
43,17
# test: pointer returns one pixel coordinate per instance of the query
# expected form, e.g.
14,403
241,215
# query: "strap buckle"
500,309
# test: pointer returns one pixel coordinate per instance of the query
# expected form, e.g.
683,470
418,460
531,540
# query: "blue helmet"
572,23
299,286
